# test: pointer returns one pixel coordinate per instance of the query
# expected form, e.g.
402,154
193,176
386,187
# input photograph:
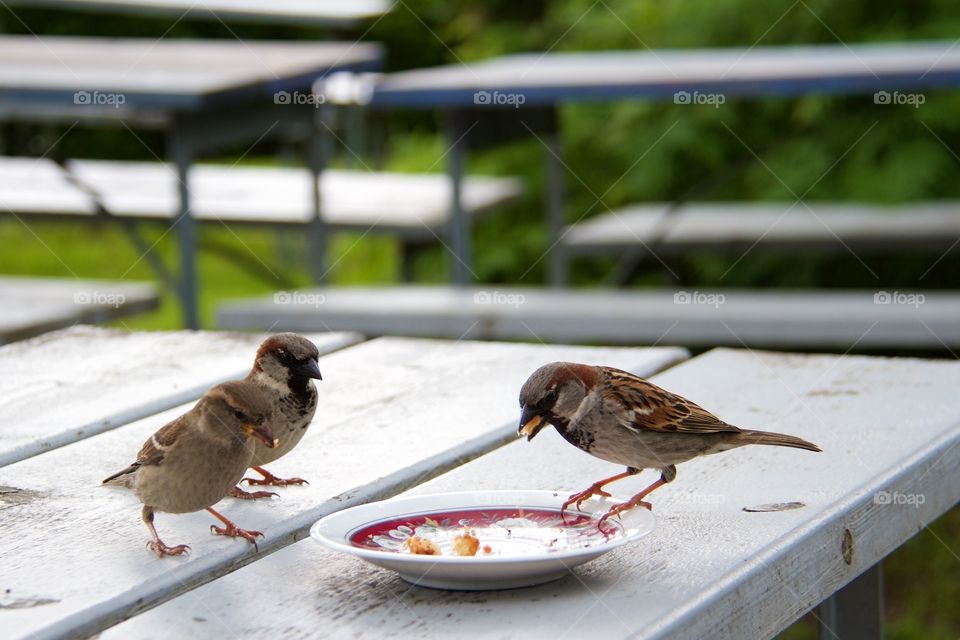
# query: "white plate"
522,539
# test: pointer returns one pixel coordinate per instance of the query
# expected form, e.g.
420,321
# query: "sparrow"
191,463
622,418
283,369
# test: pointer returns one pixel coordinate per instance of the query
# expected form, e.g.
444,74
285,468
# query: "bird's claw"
271,480
233,531
240,494
583,496
620,508
163,550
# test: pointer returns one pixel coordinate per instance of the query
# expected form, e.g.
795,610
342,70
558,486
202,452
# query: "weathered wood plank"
393,413
76,383
410,204
790,318
324,12
31,306
733,226
709,569
164,73
732,71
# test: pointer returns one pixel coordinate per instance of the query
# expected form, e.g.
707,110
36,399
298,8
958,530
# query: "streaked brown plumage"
283,369
622,418
192,463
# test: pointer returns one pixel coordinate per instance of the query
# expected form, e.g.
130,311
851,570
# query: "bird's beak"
310,369
263,433
530,423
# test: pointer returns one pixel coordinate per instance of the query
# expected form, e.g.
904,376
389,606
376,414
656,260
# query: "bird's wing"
153,450
643,405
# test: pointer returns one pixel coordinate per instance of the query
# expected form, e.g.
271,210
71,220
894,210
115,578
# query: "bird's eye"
238,414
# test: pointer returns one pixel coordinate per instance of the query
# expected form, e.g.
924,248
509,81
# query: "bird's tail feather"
776,439
122,478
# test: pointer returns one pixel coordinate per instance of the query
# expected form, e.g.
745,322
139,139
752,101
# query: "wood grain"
392,413
76,383
888,427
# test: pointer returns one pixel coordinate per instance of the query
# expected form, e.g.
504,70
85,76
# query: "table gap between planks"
393,413
709,569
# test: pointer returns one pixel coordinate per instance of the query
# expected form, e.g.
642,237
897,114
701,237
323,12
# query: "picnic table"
519,95
401,415
204,94
31,306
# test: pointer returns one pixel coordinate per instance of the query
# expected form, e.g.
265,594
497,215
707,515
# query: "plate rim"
376,555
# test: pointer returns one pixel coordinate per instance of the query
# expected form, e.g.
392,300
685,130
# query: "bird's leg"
239,493
233,530
272,480
596,489
156,544
667,475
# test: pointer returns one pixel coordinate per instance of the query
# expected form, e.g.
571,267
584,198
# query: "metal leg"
856,611
181,157
317,232
459,223
558,261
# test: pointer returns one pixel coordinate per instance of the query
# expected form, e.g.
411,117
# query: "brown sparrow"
622,418
283,369
194,461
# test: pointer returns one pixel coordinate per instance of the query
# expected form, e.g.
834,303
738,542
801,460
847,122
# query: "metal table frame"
198,123
549,80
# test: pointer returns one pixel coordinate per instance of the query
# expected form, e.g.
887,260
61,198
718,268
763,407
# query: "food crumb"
422,546
487,548
466,544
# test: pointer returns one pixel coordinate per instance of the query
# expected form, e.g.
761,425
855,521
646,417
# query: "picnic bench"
669,230
710,568
877,319
312,12
412,207
31,306
519,95
205,95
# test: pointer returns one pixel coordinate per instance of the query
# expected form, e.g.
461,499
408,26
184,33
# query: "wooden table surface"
553,77
102,379
30,306
394,413
313,12
888,427
166,74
